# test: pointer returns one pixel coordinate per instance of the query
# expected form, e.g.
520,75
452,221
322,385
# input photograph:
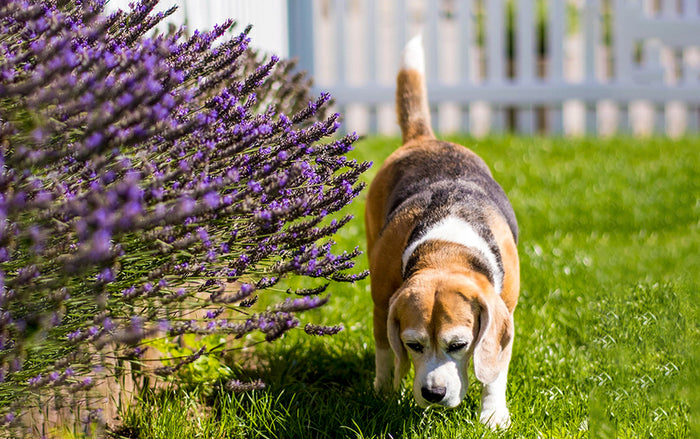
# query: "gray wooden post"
301,33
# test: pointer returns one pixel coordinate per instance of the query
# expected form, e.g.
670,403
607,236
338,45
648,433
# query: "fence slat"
495,19
432,46
402,37
691,9
371,41
622,59
555,70
341,51
464,20
525,53
668,8
301,33
591,38
557,19
433,56
495,15
371,49
622,42
525,41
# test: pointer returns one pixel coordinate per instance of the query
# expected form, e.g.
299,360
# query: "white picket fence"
609,65
581,85
269,18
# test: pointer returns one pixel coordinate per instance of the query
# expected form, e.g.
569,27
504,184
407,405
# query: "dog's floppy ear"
495,341
401,364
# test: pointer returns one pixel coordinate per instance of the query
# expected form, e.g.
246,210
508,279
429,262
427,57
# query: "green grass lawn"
607,333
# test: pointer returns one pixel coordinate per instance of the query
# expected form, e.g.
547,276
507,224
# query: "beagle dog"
445,276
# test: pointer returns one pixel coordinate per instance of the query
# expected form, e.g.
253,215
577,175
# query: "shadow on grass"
317,389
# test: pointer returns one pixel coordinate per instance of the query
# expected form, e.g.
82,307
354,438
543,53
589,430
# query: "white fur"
413,57
456,230
494,411
384,361
435,367
441,370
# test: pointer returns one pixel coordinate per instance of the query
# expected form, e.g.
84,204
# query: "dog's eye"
454,347
414,346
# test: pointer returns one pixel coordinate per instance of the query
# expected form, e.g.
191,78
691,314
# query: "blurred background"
573,67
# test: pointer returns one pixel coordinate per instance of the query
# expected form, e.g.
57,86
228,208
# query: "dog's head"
440,322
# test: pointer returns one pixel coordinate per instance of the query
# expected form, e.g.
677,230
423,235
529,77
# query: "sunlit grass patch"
606,328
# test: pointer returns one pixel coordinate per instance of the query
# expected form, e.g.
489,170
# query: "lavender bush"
147,177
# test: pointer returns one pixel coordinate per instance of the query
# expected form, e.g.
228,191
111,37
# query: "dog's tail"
411,93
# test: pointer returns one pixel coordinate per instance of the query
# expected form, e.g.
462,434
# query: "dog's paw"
382,385
495,419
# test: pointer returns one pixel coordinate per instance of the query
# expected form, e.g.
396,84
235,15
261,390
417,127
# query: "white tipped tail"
413,57
411,93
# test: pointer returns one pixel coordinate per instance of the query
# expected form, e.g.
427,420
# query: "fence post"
495,45
591,34
622,58
432,47
301,34
555,73
371,50
526,55
690,9
464,17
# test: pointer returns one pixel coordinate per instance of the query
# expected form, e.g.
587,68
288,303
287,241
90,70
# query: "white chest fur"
455,230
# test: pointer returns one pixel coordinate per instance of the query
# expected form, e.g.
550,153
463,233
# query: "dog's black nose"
434,394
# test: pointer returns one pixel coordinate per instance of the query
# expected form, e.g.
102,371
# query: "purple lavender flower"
106,275
74,336
147,177
212,200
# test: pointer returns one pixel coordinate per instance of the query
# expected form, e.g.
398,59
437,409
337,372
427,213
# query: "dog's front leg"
384,363
383,355
494,411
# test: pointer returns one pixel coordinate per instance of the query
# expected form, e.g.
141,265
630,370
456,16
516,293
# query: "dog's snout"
433,394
